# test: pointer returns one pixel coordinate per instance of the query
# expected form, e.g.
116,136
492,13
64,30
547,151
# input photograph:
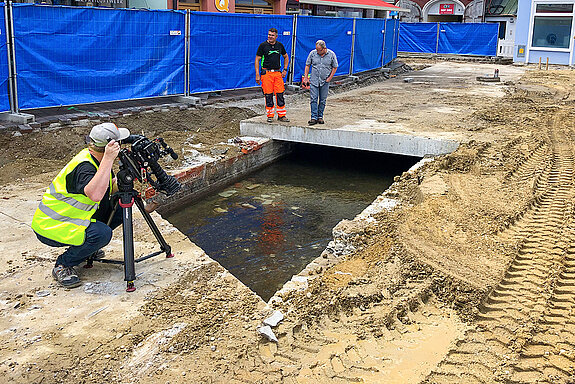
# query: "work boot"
270,119
320,121
283,119
99,254
66,276
312,122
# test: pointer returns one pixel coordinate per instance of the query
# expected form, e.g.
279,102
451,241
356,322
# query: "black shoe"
270,119
283,119
320,121
66,276
312,122
99,254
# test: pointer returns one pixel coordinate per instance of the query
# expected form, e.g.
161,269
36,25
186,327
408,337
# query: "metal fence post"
352,48
384,31
437,39
12,84
293,43
395,37
187,53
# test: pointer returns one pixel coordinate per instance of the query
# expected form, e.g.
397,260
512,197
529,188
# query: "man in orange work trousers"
269,53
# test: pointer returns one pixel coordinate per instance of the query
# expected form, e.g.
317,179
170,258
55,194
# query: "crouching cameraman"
76,206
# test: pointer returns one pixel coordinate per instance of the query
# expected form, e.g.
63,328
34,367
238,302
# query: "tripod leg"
163,245
129,267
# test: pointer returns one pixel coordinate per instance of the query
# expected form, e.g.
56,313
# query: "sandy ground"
466,277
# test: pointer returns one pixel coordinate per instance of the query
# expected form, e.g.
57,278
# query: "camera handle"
125,199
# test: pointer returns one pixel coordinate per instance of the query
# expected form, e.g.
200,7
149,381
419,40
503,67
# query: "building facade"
504,13
458,11
545,31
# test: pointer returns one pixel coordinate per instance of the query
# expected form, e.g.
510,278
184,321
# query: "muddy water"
270,225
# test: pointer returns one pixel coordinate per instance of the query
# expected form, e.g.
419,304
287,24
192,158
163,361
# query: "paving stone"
25,128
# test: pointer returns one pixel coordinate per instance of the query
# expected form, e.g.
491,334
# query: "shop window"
554,8
552,25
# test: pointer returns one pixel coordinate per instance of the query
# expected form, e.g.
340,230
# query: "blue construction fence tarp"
77,55
4,73
223,48
449,38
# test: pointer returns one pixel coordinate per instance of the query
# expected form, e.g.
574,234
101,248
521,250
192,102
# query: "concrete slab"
362,140
416,118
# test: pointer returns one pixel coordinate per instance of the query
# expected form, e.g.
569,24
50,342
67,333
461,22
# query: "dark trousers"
98,235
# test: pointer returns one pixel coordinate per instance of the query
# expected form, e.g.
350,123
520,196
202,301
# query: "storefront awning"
363,4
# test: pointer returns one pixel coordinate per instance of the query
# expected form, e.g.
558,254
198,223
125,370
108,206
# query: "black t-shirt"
77,180
271,54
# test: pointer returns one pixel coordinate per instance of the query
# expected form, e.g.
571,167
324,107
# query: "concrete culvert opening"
268,226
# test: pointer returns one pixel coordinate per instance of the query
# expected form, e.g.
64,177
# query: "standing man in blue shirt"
323,63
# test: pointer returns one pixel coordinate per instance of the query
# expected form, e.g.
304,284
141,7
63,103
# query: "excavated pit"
267,226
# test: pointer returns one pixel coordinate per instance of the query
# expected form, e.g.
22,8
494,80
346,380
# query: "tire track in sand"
529,311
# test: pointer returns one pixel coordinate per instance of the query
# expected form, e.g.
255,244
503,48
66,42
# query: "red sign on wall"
446,9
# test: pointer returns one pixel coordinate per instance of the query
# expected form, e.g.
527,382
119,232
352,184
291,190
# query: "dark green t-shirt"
271,54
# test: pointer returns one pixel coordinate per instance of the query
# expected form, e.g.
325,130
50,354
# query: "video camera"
141,162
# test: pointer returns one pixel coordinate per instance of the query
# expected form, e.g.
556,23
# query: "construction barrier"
223,48
337,34
478,39
4,94
77,55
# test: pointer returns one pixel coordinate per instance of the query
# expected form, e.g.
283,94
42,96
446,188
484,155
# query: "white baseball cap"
101,134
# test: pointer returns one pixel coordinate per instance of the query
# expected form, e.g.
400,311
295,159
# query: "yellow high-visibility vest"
63,216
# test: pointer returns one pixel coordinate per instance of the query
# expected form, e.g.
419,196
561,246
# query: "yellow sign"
223,5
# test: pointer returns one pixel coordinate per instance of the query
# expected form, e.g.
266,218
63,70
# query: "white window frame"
530,46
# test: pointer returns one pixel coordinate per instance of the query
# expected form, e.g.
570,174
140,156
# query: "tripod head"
140,163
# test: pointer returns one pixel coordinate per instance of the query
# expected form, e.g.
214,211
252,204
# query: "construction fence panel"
223,48
390,45
75,55
468,38
449,38
337,34
4,93
418,37
368,46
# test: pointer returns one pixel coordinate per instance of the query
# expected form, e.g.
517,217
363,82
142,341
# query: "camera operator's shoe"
270,119
283,119
99,254
66,276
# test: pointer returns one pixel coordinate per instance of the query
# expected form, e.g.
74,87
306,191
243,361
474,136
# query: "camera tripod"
125,199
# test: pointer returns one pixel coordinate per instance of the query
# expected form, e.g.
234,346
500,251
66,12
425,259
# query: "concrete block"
18,118
25,128
293,87
189,100
65,121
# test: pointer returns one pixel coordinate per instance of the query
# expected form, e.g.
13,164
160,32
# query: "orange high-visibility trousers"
272,82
